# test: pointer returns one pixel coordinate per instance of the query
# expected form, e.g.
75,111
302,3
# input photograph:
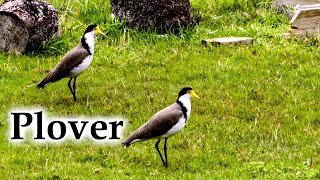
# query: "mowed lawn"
258,116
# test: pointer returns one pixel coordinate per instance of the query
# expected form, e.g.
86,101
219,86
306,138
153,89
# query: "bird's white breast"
76,71
185,100
89,38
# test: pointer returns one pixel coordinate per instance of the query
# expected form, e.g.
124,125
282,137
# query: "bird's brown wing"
158,124
72,59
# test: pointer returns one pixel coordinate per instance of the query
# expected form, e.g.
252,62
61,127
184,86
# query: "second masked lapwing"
75,61
165,123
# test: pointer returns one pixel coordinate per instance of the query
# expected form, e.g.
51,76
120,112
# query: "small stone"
229,41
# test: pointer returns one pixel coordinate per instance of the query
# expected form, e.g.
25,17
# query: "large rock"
160,14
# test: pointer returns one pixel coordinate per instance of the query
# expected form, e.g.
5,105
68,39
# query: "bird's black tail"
126,144
42,84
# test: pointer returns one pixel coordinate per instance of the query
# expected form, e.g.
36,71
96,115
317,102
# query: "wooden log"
294,2
287,6
306,21
26,25
13,34
160,14
229,41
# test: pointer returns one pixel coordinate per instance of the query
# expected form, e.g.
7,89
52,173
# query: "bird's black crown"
184,91
90,28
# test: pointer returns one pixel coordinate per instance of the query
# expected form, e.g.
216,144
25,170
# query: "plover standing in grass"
165,123
74,62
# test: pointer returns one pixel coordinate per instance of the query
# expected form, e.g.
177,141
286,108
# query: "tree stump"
160,14
26,24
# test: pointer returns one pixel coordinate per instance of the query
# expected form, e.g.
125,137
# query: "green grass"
258,116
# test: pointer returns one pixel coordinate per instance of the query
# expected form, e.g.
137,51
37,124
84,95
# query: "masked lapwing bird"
74,62
165,123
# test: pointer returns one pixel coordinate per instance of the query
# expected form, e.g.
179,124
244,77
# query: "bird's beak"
193,94
98,31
